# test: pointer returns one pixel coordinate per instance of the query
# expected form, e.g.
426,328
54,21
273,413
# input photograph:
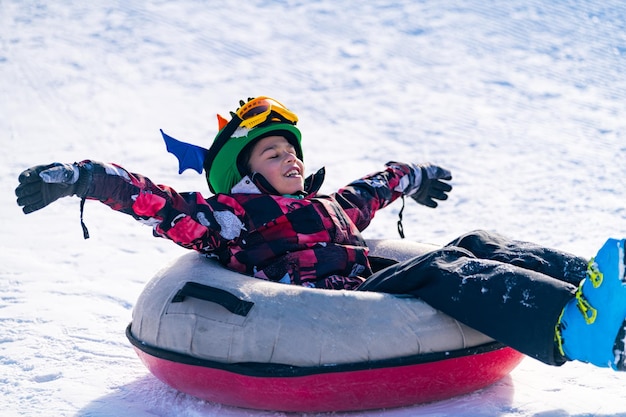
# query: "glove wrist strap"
82,223
400,226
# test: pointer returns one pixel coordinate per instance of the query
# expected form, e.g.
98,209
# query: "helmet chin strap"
257,184
263,184
312,184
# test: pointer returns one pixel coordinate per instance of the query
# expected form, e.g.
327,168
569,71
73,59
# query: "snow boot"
592,327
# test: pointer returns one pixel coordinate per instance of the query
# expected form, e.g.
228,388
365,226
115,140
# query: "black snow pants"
512,291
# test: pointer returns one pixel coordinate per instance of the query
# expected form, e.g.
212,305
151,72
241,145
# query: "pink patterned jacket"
314,241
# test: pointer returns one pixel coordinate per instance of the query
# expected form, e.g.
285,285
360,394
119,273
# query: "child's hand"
42,184
432,186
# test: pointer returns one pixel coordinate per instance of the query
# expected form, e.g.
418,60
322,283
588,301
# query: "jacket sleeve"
186,218
363,197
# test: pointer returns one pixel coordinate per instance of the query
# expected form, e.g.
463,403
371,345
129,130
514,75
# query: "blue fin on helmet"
188,155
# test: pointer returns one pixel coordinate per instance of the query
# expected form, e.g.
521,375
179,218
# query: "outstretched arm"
422,182
186,218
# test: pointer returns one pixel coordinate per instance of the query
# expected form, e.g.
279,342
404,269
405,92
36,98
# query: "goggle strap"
220,141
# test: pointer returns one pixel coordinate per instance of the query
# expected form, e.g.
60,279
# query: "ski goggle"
263,109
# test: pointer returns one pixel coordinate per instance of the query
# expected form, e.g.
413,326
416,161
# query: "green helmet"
224,171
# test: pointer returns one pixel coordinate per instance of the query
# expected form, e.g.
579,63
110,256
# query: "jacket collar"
257,184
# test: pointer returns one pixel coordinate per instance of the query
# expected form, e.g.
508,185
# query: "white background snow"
524,101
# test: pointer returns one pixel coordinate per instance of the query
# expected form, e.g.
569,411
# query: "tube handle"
219,296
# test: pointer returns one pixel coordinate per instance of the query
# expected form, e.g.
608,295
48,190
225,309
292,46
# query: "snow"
522,100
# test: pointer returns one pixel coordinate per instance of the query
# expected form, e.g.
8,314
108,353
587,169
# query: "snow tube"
240,341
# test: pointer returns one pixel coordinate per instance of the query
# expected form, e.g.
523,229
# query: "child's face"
275,158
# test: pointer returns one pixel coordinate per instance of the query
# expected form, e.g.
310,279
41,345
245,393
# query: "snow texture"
523,100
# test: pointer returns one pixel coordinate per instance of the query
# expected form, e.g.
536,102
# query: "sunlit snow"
523,100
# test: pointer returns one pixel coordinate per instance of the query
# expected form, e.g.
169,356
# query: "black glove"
431,186
42,184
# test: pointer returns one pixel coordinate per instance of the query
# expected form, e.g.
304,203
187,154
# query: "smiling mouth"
292,173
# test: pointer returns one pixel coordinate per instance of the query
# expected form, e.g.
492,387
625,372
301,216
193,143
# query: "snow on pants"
512,291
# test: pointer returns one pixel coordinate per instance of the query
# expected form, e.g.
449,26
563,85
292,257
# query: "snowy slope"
522,100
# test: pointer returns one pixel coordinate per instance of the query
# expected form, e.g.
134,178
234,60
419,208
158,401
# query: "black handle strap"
219,296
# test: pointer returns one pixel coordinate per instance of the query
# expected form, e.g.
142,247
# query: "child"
266,220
